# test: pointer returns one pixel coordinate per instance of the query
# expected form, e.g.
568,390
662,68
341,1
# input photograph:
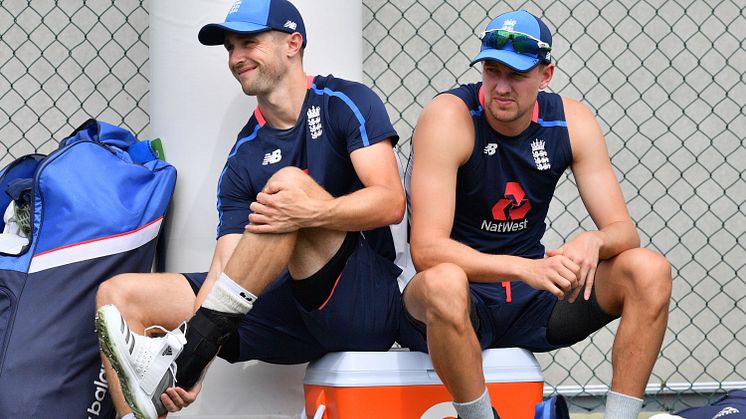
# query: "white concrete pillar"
197,108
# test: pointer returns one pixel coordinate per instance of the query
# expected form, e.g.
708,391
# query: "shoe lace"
157,327
163,332
172,369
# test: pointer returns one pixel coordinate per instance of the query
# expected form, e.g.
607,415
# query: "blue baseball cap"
519,22
254,16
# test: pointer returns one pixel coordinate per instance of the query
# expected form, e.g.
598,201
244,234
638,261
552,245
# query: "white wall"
197,108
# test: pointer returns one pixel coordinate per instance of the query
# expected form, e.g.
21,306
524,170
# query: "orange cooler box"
404,385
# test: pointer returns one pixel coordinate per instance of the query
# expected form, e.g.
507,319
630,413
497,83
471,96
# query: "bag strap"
119,139
102,132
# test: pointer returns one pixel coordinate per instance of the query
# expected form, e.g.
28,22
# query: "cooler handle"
319,412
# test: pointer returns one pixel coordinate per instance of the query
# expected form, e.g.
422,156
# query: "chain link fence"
62,62
665,79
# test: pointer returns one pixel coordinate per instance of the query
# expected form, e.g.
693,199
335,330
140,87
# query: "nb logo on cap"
235,7
509,25
290,24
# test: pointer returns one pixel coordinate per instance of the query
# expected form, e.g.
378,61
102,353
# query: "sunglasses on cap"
523,43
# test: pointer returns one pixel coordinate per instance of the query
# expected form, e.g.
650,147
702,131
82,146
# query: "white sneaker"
146,366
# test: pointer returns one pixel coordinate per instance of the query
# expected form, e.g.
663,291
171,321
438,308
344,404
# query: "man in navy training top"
293,276
486,160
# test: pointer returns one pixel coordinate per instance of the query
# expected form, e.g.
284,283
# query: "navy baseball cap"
254,16
517,39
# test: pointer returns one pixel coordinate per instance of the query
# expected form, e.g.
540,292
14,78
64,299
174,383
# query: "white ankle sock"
227,296
481,408
622,406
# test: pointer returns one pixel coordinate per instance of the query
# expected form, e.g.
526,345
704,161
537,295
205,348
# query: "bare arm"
443,141
284,207
381,202
598,186
600,191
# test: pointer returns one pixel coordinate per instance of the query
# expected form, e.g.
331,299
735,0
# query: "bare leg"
637,285
256,261
439,297
144,300
259,258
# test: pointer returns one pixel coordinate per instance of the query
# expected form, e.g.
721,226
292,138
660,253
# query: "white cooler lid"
403,368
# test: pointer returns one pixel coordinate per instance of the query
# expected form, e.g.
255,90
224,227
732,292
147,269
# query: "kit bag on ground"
730,406
554,407
90,210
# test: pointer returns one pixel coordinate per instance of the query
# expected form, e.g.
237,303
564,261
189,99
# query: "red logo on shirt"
514,206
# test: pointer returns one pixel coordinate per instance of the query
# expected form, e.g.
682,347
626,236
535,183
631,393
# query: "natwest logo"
514,206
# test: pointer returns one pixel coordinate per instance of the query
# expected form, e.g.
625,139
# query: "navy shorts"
361,314
510,314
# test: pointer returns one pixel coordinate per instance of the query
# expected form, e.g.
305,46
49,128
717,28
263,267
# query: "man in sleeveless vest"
486,161
308,203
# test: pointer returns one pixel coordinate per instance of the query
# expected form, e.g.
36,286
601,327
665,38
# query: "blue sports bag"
93,209
730,406
554,407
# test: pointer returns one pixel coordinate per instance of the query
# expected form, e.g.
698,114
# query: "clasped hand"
568,269
282,209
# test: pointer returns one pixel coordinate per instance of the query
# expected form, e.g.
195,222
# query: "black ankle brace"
205,333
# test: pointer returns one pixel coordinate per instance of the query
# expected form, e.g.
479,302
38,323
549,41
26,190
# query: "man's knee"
445,291
289,175
292,177
115,290
650,275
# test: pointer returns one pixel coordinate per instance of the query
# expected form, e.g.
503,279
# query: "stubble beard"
267,78
505,116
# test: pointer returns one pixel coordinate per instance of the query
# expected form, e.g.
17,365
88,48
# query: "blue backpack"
90,210
730,406
554,407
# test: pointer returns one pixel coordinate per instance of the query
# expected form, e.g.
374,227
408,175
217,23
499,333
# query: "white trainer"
145,365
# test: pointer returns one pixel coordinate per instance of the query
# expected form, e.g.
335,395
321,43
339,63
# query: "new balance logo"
272,158
167,351
101,389
235,7
509,25
730,410
290,25
490,149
